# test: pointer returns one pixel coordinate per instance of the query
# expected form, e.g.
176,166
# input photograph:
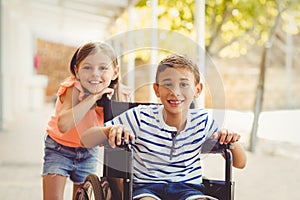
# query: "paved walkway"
272,172
21,154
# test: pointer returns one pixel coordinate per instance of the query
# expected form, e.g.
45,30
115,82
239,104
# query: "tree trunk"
260,87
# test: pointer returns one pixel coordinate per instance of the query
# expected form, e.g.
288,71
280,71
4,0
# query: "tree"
232,26
260,87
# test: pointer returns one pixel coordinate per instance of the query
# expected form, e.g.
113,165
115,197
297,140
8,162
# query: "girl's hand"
108,91
116,133
227,137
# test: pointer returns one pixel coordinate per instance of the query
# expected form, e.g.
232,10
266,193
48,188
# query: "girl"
95,73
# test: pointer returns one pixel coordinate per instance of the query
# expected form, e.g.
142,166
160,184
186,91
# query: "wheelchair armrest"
224,188
213,146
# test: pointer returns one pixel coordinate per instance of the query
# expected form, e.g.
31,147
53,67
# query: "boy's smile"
175,103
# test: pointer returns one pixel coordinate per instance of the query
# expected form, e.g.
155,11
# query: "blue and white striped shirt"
160,153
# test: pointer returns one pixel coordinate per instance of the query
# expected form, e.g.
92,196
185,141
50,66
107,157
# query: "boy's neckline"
171,127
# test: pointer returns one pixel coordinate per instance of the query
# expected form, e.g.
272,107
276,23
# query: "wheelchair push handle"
214,146
124,145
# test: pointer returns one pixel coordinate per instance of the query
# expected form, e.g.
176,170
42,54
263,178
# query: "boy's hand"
227,137
116,133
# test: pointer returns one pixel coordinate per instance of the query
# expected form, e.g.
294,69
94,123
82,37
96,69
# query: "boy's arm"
239,156
238,153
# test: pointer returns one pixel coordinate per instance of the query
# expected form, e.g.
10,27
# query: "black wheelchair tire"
91,189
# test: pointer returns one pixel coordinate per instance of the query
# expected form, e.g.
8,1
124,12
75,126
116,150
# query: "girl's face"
176,89
96,72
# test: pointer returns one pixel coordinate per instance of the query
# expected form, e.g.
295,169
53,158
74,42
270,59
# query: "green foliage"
232,26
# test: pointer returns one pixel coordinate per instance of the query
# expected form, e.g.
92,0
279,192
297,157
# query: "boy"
168,137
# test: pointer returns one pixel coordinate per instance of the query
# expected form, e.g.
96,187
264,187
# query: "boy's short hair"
178,61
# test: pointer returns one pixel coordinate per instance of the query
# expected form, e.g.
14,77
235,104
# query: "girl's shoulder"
65,85
69,83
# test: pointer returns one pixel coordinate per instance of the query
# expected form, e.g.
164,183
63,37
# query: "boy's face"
176,89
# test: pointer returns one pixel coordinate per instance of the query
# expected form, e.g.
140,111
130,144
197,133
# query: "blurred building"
23,22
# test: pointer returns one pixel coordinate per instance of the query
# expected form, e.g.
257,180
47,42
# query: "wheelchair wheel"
91,189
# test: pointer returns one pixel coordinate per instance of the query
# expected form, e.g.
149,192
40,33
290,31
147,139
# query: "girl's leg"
53,187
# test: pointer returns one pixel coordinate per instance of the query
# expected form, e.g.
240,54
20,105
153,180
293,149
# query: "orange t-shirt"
94,117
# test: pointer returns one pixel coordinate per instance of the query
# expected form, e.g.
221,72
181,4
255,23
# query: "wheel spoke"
91,189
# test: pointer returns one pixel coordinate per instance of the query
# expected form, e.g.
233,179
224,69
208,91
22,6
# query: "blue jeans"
167,191
76,163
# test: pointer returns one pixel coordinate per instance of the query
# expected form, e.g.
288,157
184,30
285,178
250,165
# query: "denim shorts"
168,191
76,163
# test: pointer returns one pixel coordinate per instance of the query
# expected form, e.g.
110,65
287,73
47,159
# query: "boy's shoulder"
149,107
145,112
157,107
197,111
201,113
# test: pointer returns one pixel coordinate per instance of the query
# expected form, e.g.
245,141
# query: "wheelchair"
115,174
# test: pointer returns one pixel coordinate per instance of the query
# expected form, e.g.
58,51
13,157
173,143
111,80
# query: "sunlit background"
247,52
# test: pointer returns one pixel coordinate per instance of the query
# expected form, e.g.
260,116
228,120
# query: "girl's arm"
72,110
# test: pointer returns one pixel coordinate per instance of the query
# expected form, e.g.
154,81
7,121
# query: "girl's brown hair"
92,47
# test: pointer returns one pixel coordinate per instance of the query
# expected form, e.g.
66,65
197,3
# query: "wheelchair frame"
221,189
